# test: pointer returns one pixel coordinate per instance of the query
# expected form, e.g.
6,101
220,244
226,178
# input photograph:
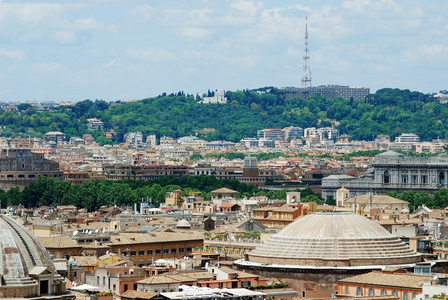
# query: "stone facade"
394,172
18,167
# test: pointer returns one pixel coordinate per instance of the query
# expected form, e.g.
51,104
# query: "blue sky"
133,49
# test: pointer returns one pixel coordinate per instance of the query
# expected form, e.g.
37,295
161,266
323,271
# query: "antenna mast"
306,78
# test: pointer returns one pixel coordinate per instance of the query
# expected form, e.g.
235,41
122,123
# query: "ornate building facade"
394,172
18,167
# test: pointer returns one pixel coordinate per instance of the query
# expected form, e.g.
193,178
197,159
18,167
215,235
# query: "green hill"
388,111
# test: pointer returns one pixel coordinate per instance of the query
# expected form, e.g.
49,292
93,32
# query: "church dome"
26,268
183,224
334,239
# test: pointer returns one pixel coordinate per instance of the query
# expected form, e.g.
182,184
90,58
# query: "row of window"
383,292
157,251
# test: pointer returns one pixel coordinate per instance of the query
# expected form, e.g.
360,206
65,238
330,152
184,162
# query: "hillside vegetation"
388,111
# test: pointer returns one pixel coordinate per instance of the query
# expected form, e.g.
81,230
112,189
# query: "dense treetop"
94,194
388,111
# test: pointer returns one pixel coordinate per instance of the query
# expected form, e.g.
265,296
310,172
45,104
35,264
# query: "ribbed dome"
183,223
334,239
23,263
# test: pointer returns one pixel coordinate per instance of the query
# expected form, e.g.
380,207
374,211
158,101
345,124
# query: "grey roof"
389,154
334,236
22,253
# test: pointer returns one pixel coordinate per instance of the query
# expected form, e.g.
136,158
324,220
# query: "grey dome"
24,262
183,223
334,239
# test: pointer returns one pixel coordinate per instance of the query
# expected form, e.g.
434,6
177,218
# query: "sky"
71,50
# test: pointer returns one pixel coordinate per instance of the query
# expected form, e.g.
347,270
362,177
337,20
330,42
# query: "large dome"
25,265
334,239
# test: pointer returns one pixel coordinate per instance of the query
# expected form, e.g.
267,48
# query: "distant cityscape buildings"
329,91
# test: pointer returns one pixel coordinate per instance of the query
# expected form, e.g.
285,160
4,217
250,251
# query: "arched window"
405,295
441,178
386,177
358,291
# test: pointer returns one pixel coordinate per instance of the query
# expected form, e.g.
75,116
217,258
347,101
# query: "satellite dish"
293,200
75,233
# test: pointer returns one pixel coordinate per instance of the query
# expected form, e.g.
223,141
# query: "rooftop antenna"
306,77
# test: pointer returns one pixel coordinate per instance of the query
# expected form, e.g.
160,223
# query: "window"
423,179
173,250
414,179
98,280
188,248
346,289
358,291
149,252
383,292
133,253
141,252
158,251
394,293
181,249
404,179
104,280
371,292
414,295
405,295
166,250
125,287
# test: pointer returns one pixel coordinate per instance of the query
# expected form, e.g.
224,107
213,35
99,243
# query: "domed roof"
183,223
24,260
334,239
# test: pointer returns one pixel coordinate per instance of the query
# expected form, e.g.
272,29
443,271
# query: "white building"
217,98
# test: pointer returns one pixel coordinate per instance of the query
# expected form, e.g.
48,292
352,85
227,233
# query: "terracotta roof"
126,238
138,294
84,261
224,191
59,242
241,274
158,279
228,205
383,199
410,281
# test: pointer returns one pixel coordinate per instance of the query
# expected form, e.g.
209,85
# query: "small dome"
183,224
25,265
334,239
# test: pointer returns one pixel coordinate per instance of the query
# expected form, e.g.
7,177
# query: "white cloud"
151,54
65,37
192,33
88,24
51,67
142,12
113,63
112,28
14,54
246,7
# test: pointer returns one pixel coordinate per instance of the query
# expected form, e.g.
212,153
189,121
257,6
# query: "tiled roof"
224,191
126,238
59,242
138,294
383,199
158,279
410,281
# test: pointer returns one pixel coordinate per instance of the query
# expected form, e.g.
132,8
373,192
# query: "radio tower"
306,77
